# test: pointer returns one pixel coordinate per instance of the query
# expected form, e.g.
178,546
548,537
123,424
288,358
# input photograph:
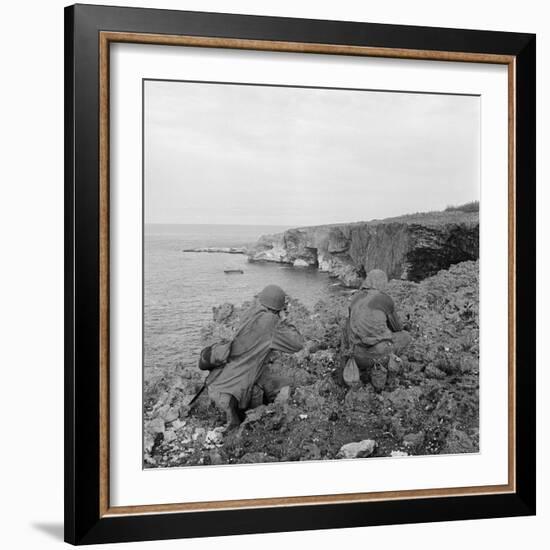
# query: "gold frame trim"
105,39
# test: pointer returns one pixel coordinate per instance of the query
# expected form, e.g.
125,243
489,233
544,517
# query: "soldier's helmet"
273,297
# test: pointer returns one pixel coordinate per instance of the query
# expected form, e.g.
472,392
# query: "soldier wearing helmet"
374,331
242,382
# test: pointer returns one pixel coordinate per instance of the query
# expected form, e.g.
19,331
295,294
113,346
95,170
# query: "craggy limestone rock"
155,426
359,449
254,458
223,312
458,442
414,440
300,263
409,247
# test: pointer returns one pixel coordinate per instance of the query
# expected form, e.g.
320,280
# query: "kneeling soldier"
374,331
242,382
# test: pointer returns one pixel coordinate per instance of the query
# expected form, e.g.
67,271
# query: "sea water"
181,288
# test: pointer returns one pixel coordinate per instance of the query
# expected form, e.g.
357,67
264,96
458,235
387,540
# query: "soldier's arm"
394,323
286,338
384,303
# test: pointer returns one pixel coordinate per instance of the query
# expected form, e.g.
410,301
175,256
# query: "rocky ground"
430,404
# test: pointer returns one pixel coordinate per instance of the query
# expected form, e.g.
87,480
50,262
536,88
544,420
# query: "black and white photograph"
310,277
299,276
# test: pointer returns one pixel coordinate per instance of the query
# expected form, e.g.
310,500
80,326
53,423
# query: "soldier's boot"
228,404
379,376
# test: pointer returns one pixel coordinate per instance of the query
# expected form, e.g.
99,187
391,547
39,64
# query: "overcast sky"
235,154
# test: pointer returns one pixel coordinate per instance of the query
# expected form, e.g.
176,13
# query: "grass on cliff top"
472,206
429,218
465,213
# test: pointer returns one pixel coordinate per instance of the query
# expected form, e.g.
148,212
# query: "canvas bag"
212,358
351,373
395,364
215,355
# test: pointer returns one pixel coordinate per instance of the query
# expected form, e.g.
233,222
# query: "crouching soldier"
374,331
242,383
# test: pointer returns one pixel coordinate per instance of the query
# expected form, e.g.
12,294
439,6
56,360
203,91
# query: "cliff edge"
410,247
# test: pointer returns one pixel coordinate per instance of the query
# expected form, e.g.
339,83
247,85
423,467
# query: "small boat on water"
233,270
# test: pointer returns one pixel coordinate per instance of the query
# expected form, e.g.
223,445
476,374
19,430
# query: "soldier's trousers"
378,355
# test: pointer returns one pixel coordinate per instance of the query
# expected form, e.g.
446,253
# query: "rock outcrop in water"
410,247
217,250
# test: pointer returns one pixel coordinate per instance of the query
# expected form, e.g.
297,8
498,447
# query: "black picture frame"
84,524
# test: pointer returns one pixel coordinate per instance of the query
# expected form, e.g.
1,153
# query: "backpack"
214,356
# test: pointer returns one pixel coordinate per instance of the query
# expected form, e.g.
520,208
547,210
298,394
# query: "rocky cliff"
409,247
430,404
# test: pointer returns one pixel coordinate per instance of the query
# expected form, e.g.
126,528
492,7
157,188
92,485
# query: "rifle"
210,378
